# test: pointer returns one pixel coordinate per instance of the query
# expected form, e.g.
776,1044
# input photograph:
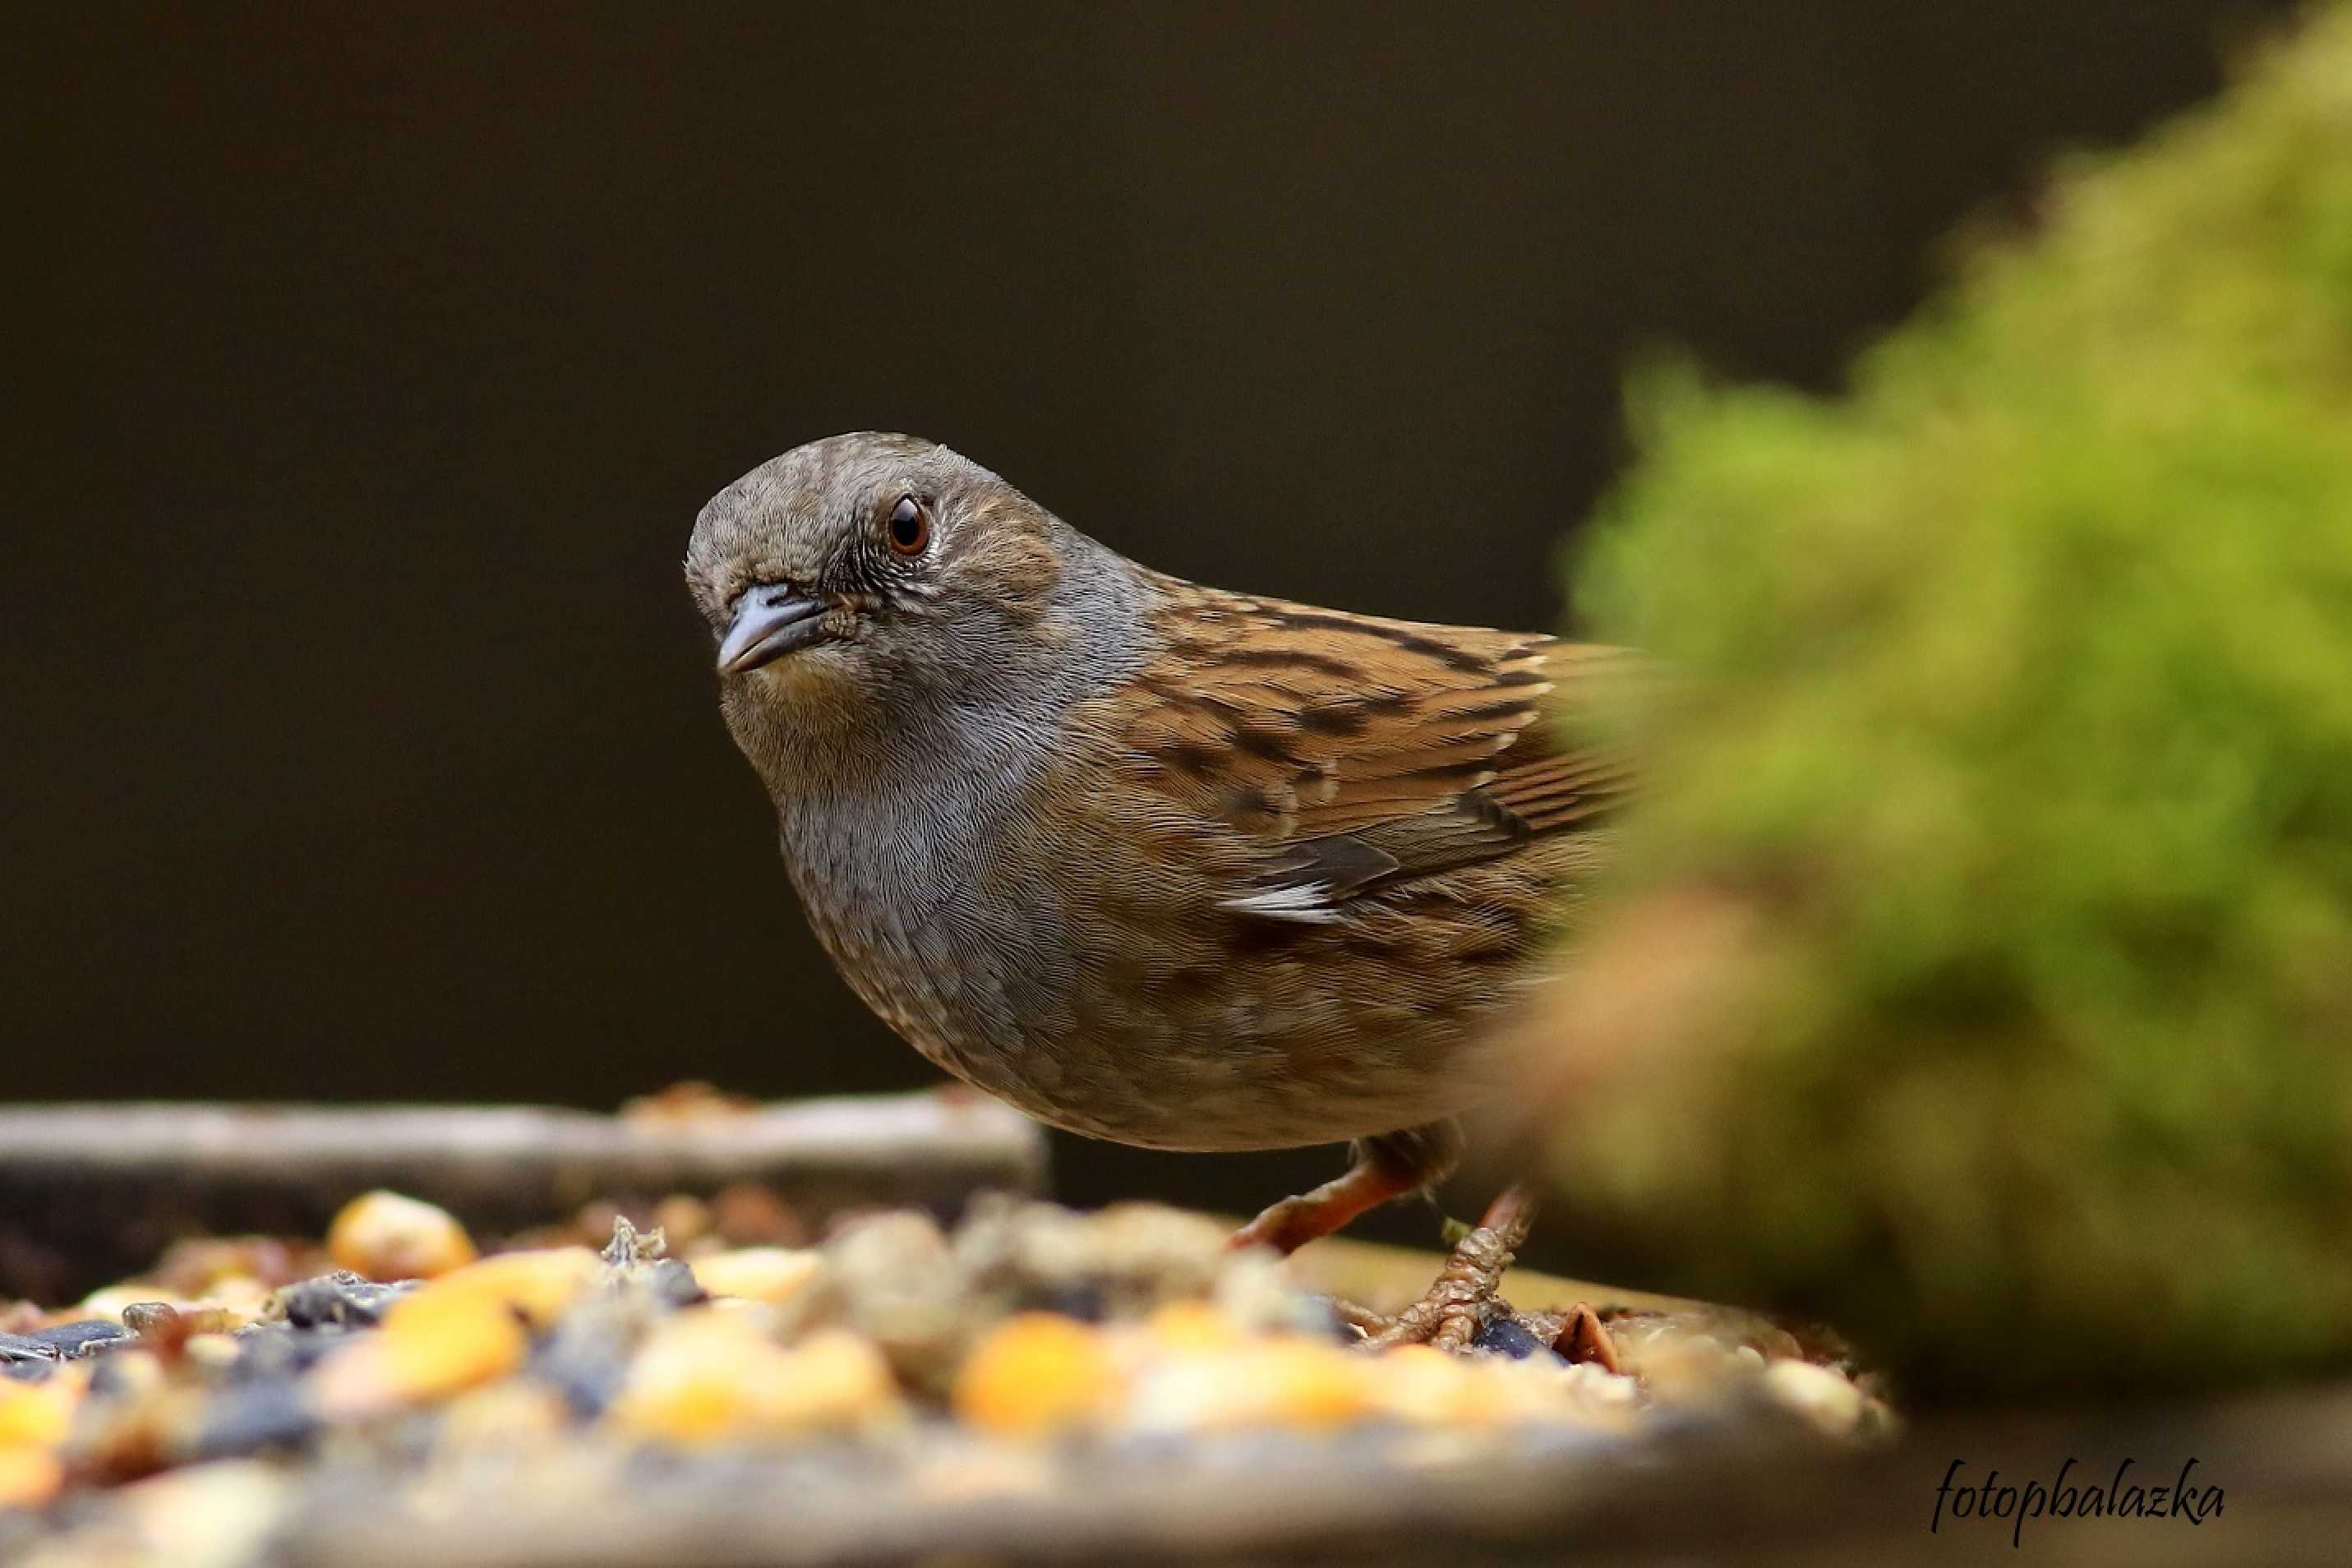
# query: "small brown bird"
1152,862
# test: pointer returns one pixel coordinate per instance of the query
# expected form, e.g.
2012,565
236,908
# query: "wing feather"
1355,754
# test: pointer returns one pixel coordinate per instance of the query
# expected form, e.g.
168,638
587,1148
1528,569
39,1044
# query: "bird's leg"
1387,1167
1463,1298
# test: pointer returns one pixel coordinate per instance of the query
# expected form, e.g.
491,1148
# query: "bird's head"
876,580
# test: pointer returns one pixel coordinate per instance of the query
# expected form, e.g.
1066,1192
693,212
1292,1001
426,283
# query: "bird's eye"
910,526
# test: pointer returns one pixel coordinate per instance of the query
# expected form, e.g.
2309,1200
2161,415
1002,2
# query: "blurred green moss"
2019,731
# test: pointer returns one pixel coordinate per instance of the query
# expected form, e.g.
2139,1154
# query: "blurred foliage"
1981,976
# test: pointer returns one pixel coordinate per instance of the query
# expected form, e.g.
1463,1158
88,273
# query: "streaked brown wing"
1362,753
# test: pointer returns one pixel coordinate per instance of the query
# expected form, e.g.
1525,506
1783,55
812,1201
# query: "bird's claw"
1464,1297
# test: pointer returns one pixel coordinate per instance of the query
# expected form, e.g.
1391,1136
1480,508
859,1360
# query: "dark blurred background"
370,368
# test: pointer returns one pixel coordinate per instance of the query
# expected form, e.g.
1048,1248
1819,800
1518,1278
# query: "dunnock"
1152,861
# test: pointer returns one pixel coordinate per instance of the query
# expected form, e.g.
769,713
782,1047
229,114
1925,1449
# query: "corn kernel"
36,1415
1192,1326
465,1328
30,1477
772,1274
384,1235
1037,1372
1425,1386
1291,1381
536,1285
712,1377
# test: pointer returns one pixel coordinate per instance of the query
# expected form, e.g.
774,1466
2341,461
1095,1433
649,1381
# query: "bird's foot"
1464,1306
1465,1296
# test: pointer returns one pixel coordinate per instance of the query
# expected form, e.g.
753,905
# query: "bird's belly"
1273,1051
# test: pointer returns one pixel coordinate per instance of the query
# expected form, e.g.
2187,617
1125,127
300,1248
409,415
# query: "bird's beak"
770,621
